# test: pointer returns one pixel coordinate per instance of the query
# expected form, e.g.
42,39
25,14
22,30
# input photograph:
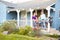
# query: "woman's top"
34,17
43,17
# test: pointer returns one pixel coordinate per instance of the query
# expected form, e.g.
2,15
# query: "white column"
31,11
48,20
48,9
18,11
26,18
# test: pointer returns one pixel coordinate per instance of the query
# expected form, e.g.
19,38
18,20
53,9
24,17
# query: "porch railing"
21,22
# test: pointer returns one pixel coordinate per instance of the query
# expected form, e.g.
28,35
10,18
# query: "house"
22,11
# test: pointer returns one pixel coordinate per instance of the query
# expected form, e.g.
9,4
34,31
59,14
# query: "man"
50,20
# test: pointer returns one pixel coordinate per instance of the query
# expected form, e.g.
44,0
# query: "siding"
52,13
2,12
56,18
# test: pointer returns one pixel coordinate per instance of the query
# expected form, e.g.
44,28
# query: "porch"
24,17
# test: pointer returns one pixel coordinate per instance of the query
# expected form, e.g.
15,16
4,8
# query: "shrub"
24,30
9,26
32,33
21,31
35,32
27,30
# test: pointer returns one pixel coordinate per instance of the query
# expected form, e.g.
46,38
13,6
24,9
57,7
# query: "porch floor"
52,31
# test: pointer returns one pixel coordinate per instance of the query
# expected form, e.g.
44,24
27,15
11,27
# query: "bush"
9,26
32,33
24,30
27,30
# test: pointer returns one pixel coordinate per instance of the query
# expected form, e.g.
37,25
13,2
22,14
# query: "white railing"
21,22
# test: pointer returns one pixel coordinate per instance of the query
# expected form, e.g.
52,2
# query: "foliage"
24,30
53,36
17,37
22,37
32,33
9,26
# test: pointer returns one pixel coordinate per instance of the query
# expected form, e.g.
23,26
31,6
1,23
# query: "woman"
42,19
35,20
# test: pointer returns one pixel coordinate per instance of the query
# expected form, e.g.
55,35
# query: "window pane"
28,16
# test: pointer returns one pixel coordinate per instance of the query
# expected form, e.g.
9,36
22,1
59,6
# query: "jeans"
43,24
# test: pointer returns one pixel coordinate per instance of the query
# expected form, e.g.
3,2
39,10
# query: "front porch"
24,17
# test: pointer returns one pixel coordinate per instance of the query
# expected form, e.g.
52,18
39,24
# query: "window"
59,13
28,16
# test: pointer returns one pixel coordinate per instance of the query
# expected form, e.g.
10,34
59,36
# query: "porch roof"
39,4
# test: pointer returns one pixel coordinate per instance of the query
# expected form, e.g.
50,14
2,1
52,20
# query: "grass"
53,36
22,37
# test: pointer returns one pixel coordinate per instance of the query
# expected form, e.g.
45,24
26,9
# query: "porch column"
48,9
31,11
18,11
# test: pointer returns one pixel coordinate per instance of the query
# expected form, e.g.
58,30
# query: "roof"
29,4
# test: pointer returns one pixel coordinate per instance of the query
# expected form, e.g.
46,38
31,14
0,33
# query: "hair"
34,11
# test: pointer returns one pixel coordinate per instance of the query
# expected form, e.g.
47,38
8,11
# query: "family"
39,21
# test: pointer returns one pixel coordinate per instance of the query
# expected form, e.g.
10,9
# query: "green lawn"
22,37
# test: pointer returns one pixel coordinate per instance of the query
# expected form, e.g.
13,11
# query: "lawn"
22,37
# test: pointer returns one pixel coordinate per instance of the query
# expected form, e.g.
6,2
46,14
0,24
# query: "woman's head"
42,11
34,12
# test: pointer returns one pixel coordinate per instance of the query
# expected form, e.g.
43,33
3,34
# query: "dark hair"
34,11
